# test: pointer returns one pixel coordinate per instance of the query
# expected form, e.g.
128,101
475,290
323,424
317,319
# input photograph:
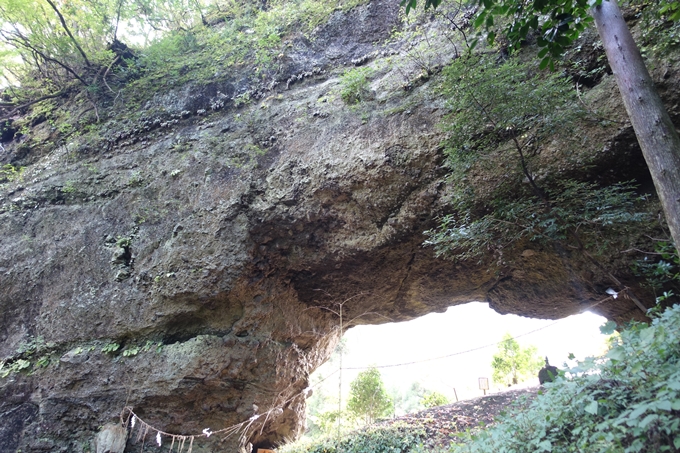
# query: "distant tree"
513,364
434,399
408,400
368,398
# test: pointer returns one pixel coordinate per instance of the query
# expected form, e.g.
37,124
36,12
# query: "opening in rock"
446,353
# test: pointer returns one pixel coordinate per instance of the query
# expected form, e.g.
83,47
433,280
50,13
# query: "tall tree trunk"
655,132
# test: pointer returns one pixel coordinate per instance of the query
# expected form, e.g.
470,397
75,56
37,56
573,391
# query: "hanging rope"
129,420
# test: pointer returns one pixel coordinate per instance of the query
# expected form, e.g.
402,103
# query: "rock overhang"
241,233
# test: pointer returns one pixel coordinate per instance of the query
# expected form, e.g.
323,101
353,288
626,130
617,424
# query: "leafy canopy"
557,22
175,40
368,398
494,101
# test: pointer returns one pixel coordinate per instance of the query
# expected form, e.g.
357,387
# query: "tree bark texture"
655,132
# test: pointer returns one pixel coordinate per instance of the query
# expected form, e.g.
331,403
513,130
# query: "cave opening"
446,353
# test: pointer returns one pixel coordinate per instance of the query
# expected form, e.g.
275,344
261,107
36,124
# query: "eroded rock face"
215,253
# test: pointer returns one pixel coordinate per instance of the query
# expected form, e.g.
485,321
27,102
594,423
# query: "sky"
459,329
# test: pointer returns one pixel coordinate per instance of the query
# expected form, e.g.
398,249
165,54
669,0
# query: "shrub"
434,399
354,85
627,401
396,438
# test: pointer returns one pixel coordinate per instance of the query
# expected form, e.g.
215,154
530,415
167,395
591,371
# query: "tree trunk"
655,132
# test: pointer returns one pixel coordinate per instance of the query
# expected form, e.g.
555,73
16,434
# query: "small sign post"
484,384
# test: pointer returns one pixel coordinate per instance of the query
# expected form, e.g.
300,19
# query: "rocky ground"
447,424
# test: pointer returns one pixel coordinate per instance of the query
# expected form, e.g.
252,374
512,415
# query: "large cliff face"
216,248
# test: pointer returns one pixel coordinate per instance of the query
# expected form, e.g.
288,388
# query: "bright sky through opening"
461,328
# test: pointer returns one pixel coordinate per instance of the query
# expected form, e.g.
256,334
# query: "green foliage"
660,26
374,439
354,85
325,424
13,367
368,398
557,23
660,268
69,187
131,351
628,401
9,173
672,10
492,102
504,111
42,362
434,399
574,206
123,241
55,41
241,34
184,41
110,348
411,4
33,345
410,400
513,364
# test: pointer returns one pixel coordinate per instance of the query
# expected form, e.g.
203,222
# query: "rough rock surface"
194,271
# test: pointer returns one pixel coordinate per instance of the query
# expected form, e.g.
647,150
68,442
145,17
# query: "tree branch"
68,31
35,101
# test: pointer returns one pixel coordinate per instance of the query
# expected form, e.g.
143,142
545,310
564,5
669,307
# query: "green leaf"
562,40
638,411
480,19
544,62
540,4
675,405
647,420
617,353
534,22
410,4
664,405
591,408
524,31
608,328
546,445
647,335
